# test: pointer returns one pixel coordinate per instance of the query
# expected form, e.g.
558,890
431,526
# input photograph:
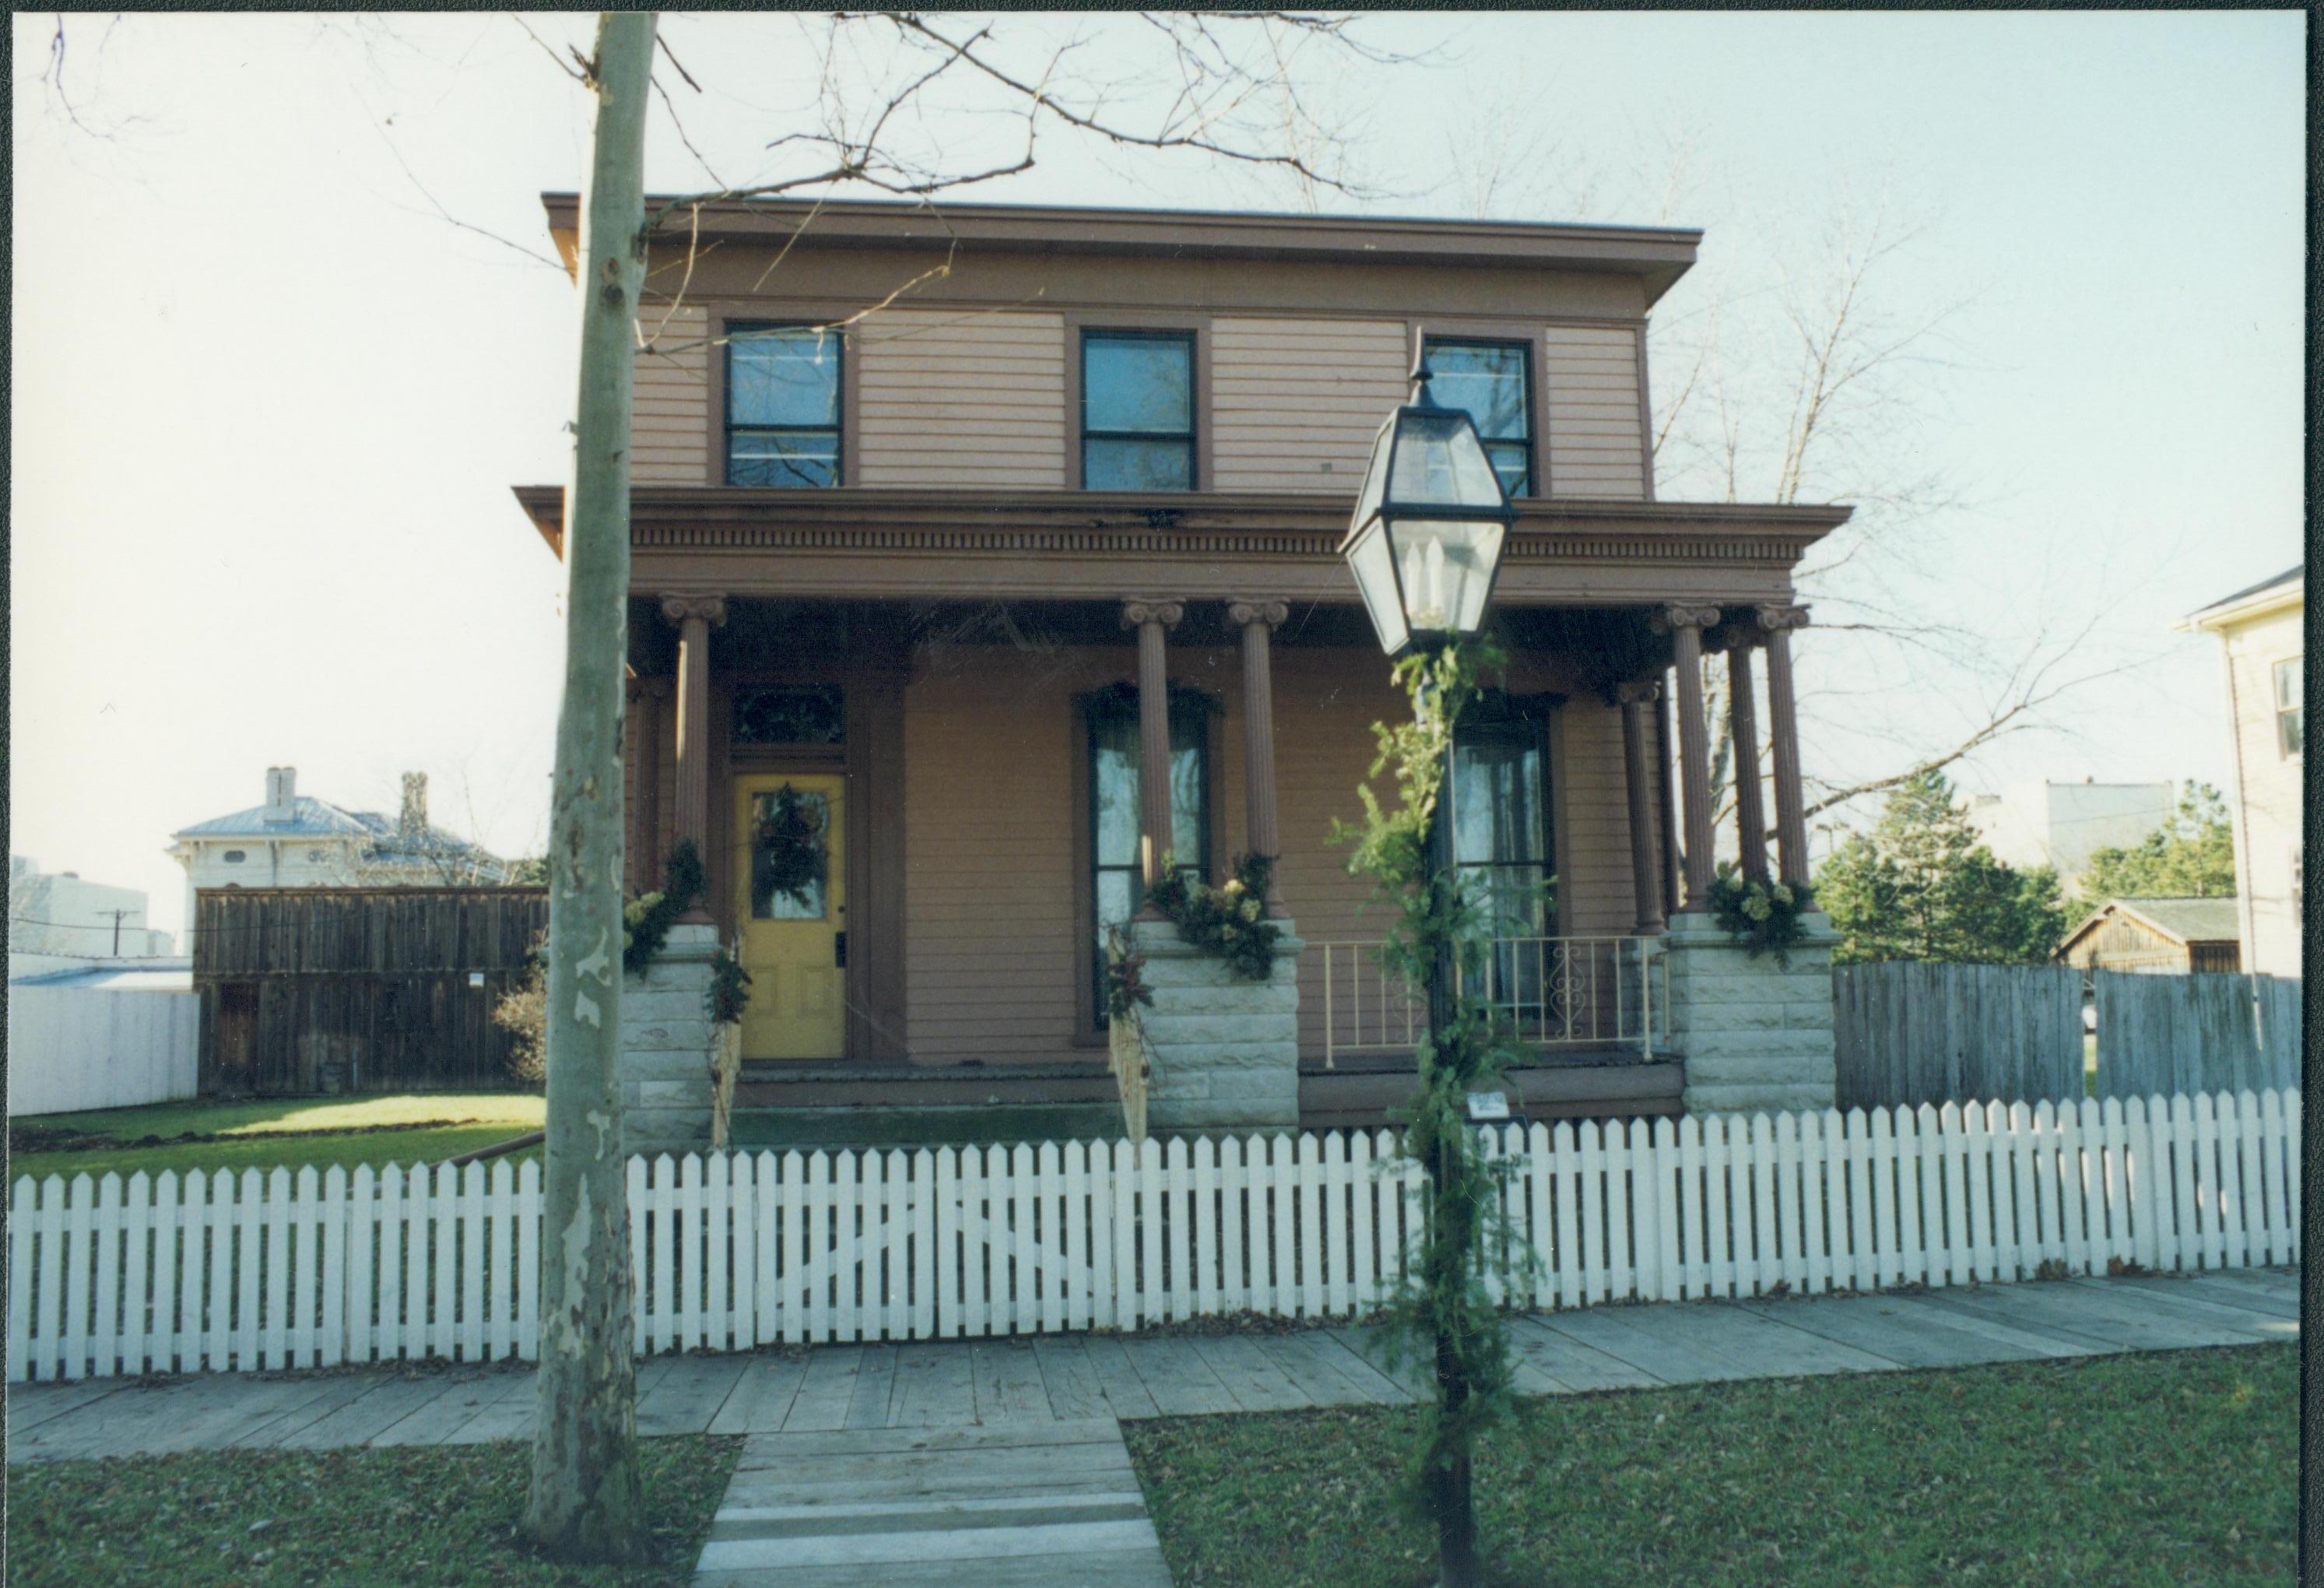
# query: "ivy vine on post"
1442,1310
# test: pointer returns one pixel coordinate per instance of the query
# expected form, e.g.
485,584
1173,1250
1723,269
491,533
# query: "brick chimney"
281,793
414,816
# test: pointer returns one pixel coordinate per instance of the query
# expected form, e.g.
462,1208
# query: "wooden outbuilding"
2163,937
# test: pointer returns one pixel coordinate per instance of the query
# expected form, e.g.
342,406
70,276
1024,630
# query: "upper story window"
782,405
1138,410
2290,707
233,857
1493,382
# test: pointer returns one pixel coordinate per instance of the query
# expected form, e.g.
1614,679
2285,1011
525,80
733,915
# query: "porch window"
1500,792
1116,886
782,405
2291,707
1492,382
1138,410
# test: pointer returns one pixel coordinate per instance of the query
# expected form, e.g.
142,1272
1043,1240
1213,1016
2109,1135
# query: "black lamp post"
1424,546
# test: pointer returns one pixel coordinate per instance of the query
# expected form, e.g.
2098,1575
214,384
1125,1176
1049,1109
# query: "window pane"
791,858
2288,683
1187,807
1114,888
1113,789
2291,730
1497,796
1137,465
1141,384
1513,463
1487,382
794,458
783,377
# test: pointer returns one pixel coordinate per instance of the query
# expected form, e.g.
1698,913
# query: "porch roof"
884,543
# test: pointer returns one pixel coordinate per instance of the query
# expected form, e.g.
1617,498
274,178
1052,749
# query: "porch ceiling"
876,543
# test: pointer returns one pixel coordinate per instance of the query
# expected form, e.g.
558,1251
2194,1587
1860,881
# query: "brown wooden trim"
1659,254
1646,419
1553,763
1077,783
1077,321
876,882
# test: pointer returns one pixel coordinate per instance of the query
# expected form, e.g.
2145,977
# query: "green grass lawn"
406,1128
2174,1468
445,1515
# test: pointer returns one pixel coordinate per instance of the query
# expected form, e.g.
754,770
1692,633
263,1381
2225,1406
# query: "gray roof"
150,975
2297,571
2189,920
309,818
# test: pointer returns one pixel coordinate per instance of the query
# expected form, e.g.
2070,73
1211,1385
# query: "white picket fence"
286,1271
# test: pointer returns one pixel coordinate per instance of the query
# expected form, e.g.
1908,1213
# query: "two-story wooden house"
893,573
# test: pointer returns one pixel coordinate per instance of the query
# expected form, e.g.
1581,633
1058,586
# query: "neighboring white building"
55,921
295,840
2062,825
2260,632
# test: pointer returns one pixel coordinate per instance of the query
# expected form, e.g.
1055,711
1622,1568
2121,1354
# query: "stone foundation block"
1755,1035
1225,1050
665,1031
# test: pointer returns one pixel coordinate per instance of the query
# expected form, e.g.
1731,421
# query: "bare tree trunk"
585,1503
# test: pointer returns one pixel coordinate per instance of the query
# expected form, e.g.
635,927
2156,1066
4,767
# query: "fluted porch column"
1743,719
1257,618
1637,737
1783,729
1153,619
694,615
1684,625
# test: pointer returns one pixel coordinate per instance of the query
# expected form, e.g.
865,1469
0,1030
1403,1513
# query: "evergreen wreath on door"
790,837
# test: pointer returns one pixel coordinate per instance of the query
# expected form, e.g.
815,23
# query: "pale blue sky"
267,406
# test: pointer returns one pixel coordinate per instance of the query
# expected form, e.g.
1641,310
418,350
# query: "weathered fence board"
306,990
733,1251
1908,1032
2196,1033
77,1047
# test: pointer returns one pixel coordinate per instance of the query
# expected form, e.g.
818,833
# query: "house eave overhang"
1658,256
899,544
2228,614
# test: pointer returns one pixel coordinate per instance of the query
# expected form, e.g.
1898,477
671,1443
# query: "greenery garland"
790,837
1442,1312
647,920
1230,921
1765,919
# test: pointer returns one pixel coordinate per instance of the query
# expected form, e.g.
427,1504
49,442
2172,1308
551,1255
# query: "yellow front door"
793,913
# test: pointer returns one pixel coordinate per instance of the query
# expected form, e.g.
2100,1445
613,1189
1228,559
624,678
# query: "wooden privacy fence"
2185,1032
332,990
1911,1033
733,1252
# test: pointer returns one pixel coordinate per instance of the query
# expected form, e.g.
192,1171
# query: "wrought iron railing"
1555,991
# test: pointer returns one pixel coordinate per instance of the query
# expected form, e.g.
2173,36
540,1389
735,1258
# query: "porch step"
788,1104
958,1124
1364,1098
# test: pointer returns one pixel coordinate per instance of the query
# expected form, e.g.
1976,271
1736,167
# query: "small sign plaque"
1489,1105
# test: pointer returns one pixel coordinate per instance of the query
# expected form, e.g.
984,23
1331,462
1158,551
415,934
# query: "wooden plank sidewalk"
1060,1380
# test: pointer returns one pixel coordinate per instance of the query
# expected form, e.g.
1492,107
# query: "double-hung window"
1138,410
2290,707
1117,880
782,405
1492,382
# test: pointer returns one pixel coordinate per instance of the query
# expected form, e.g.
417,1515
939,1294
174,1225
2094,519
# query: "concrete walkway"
1001,1460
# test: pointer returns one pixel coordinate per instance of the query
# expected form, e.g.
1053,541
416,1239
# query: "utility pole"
585,1503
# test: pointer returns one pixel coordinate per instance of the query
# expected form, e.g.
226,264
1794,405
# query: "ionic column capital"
1138,611
1243,611
1773,619
1664,620
677,607
1642,693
